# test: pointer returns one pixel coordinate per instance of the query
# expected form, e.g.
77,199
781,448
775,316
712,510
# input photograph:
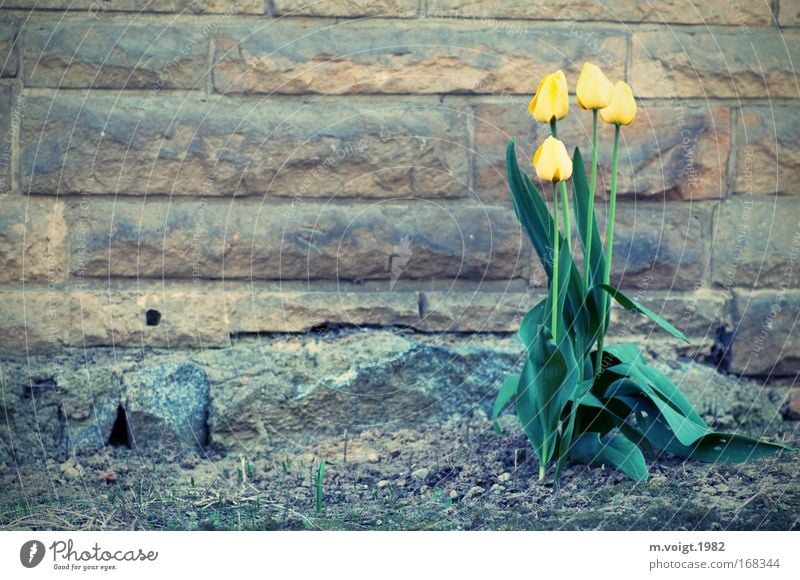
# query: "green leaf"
320,485
630,304
581,204
711,447
531,322
548,383
507,391
614,449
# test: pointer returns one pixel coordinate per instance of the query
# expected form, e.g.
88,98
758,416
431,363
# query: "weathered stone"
669,63
766,338
272,392
174,145
291,387
8,48
156,239
7,128
768,152
32,321
349,8
476,311
32,240
672,11
292,311
757,243
153,317
669,152
101,54
789,13
166,407
367,56
96,8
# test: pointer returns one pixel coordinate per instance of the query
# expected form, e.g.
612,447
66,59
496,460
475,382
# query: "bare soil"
456,475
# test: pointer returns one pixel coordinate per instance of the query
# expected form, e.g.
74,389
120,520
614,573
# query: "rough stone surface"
87,53
766,339
6,137
789,14
275,392
724,64
475,311
32,321
671,11
167,406
757,243
98,8
768,155
32,240
293,311
182,317
364,56
9,61
270,147
668,153
310,241
390,8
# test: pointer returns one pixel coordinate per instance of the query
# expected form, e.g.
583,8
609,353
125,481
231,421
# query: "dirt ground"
459,475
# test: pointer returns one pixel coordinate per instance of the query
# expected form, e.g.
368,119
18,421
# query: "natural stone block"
476,311
9,61
166,407
180,317
34,321
766,339
96,8
736,64
293,311
757,243
721,12
156,239
789,13
77,53
226,146
367,56
348,8
7,128
669,152
768,152
32,240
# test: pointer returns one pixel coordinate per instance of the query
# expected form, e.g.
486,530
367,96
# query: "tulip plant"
577,397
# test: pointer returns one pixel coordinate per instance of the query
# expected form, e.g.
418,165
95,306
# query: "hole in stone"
153,317
120,432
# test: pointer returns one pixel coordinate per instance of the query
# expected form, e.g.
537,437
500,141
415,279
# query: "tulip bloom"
552,162
551,101
622,109
594,89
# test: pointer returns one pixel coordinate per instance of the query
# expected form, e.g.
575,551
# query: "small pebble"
453,494
421,473
382,483
474,492
504,477
496,488
373,457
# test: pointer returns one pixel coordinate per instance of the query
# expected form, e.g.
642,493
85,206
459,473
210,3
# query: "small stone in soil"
475,491
382,483
373,457
504,477
421,474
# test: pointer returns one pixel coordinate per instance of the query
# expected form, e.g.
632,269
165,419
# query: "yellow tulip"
551,161
551,102
594,89
622,110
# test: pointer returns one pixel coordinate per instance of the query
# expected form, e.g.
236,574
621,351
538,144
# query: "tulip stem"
612,207
556,236
590,213
564,199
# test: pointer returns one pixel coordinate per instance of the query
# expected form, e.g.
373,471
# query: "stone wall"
177,173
